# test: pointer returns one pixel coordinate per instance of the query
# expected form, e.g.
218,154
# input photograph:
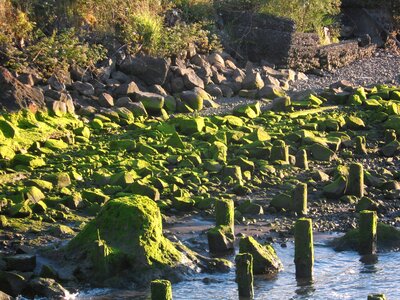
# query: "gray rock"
151,70
47,287
214,90
191,80
120,76
106,100
216,60
253,81
123,101
177,84
12,283
127,89
83,88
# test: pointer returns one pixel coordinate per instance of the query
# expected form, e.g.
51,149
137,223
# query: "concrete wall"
258,37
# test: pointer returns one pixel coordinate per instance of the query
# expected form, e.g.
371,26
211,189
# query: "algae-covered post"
304,248
224,213
161,290
301,159
376,297
299,199
244,275
280,152
221,237
368,238
361,145
356,180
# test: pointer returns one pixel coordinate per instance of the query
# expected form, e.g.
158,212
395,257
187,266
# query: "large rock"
191,80
151,101
253,81
150,69
337,188
265,259
47,287
133,245
15,95
193,99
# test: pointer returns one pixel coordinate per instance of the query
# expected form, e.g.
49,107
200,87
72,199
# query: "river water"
337,275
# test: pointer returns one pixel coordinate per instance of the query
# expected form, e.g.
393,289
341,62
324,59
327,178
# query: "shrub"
309,16
57,51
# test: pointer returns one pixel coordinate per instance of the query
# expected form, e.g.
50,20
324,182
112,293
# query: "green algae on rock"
265,258
131,230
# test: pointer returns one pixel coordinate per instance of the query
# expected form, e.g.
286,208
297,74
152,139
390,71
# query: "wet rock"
220,239
21,262
47,287
12,283
265,258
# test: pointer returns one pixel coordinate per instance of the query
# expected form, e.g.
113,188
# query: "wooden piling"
376,297
299,199
280,152
304,249
244,275
225,213
356,180
161,290
361,145
367,227
301,159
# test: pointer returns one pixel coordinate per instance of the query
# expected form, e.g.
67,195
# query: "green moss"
161,290
304,248
265,258
135,239
388,238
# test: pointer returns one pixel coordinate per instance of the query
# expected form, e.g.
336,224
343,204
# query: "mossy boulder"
337,188
220,239
125,239
266,261
8,129
55,144
322,153
366,203
393,123
6,153
354,123
139,188
28,160
282,201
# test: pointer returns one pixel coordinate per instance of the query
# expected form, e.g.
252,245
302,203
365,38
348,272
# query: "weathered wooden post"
244,275
361,145
390,136
367,228
161,290
356,180
299,199
225,213
301,159
376,297
304,248
221,237
280,152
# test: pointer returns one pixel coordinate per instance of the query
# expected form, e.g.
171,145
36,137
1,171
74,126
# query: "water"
338,275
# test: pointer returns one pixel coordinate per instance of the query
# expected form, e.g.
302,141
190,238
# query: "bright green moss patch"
132,229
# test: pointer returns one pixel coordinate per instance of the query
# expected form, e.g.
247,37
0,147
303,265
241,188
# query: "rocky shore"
87,186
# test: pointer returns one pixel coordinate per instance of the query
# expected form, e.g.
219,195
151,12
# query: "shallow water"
337,275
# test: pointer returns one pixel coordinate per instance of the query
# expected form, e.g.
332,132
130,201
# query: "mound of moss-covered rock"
125,240
388,239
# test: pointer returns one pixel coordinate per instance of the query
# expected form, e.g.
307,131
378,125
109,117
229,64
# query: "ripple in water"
337,275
